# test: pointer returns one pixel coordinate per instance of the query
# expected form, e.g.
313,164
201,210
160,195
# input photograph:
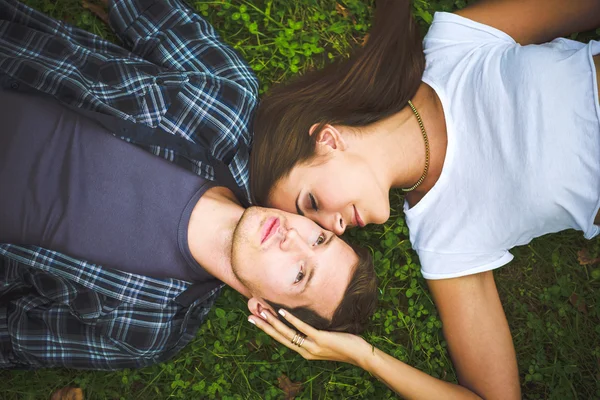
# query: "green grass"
552,302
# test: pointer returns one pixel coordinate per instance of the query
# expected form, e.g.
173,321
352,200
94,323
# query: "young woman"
493,132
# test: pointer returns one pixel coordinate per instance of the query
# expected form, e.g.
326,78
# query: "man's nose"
294,242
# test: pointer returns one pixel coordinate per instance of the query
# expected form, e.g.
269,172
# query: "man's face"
290,260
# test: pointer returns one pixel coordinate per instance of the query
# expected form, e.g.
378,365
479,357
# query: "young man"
146,228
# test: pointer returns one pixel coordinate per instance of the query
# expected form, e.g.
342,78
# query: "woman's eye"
320,239
313,202
299,277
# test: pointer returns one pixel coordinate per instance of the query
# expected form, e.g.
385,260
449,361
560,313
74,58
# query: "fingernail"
262,314
251,321
281,312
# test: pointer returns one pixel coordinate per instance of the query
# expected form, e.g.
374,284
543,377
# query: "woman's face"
338,192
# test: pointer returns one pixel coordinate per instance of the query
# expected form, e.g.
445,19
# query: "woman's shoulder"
455,45
457,51
449,29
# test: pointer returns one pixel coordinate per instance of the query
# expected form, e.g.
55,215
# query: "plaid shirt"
179,76
59,311
56,311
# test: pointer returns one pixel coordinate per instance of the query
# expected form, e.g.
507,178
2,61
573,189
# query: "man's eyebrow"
298,210
312,271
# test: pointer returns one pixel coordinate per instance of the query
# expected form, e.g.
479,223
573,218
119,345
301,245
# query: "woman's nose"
338,226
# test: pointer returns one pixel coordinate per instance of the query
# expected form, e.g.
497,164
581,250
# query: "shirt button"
14,85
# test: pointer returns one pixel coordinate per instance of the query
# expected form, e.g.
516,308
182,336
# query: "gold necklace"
422,178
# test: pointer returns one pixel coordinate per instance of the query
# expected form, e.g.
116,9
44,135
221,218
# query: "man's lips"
270,226
357,219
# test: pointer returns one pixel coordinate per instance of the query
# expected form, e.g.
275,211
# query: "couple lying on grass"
128,172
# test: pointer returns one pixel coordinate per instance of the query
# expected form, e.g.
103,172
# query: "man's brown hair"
375,82
357,305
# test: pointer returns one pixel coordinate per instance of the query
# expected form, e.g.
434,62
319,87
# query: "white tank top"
523,155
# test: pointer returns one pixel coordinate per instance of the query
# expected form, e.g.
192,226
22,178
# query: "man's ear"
257,305
329,138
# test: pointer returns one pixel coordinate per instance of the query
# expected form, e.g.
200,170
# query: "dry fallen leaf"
365,39
68,393
578,303
341,10
584,258
97,10
290,389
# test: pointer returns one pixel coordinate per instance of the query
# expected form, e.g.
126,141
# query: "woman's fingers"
269,329
283,338
300,325
280,326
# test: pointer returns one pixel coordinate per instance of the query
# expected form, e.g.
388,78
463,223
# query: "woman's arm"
321,345
478,336
407,381
536,21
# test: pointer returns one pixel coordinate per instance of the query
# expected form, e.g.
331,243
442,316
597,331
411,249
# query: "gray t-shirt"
68,185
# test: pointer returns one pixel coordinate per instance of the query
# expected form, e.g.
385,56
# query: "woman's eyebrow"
309,279
298,210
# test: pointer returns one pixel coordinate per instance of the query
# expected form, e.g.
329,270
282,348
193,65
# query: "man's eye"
320,239
299,277
313,202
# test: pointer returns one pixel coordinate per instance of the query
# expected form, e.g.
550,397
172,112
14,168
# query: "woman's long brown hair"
374,83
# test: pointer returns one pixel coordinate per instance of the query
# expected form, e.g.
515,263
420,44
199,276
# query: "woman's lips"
357,219
269,228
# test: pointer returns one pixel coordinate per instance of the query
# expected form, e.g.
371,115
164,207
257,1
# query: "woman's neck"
400,147
434,122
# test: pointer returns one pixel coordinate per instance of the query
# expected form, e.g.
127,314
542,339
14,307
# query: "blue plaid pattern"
179,76
59,311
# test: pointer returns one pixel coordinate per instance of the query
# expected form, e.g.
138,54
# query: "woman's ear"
257,305
329,138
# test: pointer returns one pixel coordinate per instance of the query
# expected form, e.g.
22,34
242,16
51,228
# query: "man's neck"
210,234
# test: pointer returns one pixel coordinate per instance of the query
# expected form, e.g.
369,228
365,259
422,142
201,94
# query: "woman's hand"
318,345
335,346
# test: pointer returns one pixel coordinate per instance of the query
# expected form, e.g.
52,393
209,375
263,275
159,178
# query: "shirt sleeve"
56,311
452,28
436,265
170,34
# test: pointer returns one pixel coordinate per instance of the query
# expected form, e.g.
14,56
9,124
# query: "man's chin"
244,223
250,224
242,243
